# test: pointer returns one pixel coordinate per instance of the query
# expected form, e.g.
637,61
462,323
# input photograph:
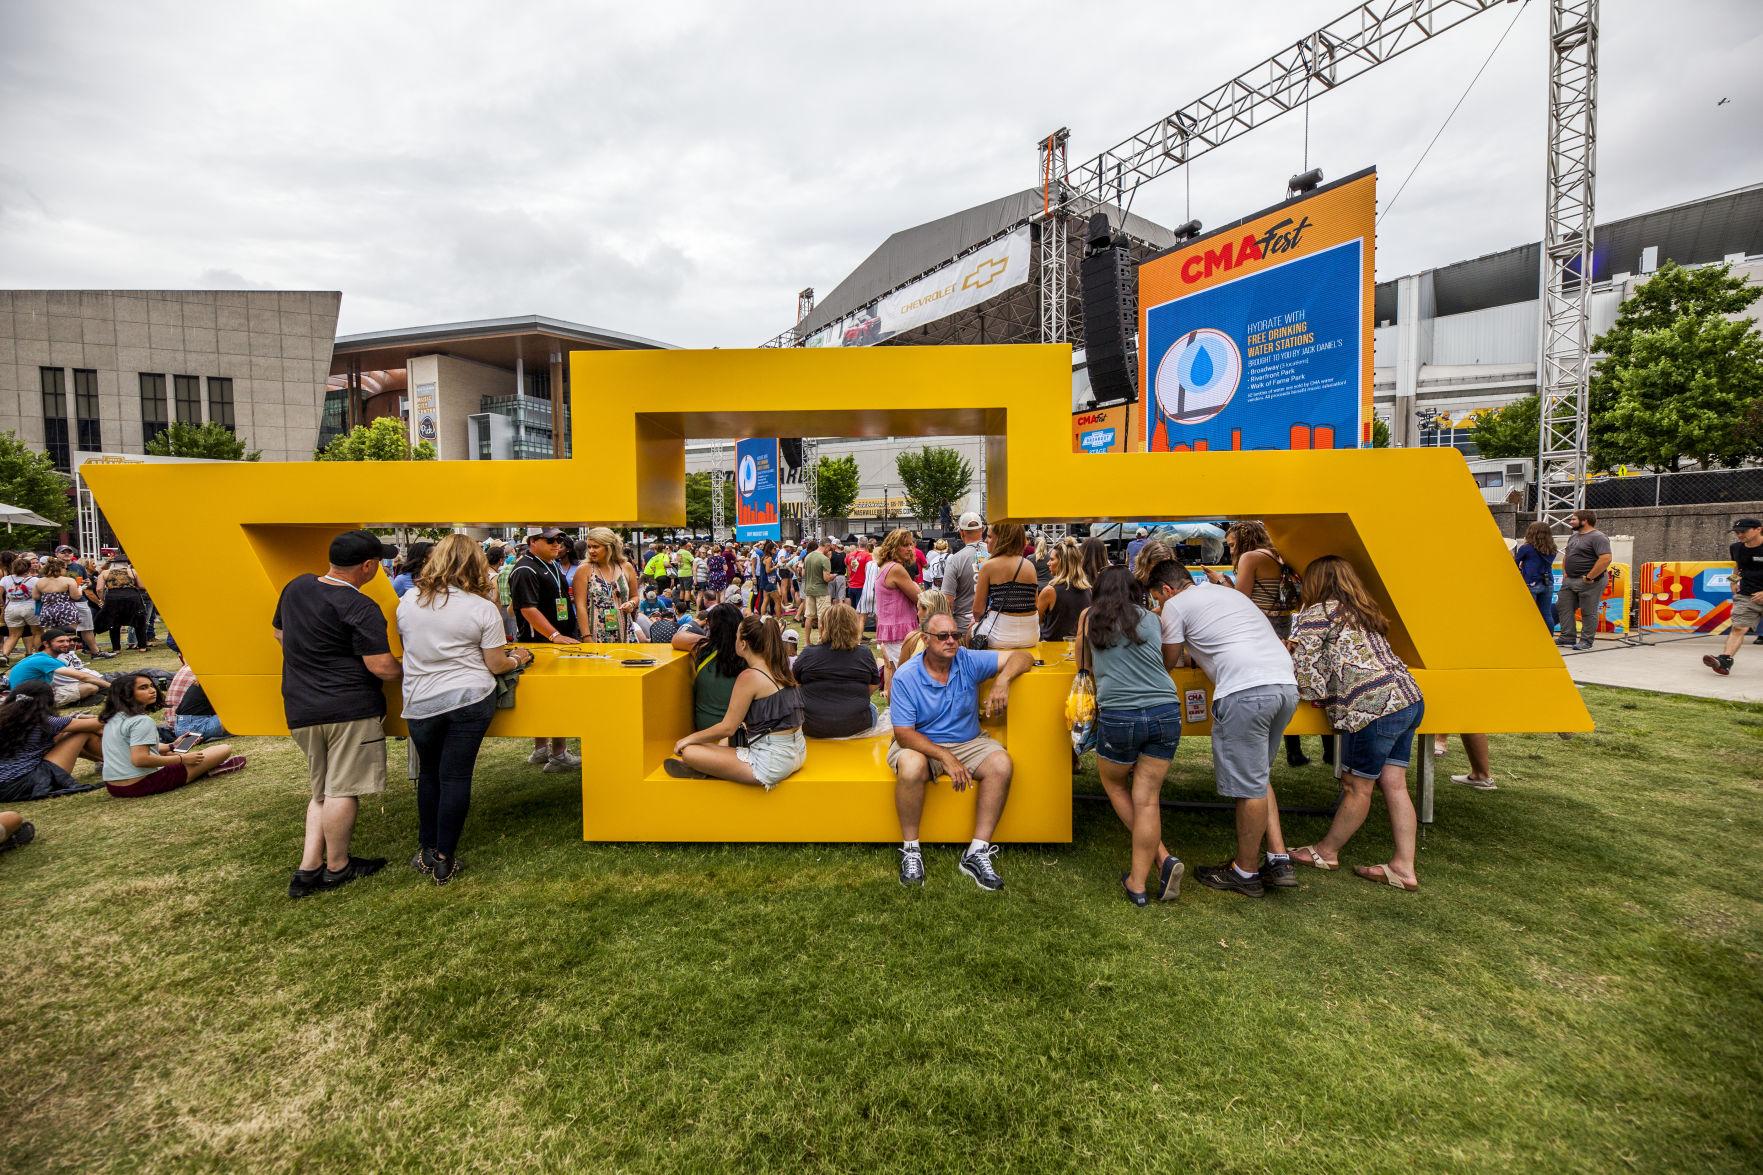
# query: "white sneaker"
542,755
562,762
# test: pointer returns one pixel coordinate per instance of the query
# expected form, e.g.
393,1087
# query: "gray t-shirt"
121,734
1131,676
959,572
1582,551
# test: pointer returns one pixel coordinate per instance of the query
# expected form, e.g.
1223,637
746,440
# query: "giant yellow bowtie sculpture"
215,543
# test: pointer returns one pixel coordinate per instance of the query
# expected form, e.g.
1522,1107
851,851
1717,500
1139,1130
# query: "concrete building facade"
105,370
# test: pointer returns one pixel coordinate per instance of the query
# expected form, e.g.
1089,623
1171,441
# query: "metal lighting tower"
718,479
810,488
1563,364
1053,258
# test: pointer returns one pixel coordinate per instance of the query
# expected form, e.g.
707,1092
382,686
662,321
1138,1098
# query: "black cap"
55,634
548,534
1746,524
352,548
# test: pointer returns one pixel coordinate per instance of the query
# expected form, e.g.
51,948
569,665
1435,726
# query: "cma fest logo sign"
1279,238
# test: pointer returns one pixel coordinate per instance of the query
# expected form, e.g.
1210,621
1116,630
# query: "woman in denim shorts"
1138,724
1345,664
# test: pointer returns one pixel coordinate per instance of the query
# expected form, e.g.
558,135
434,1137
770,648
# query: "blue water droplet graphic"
1200,371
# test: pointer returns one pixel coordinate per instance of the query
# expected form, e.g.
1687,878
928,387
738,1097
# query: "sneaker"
679,769
1721,664
540,756
1479,783
1279,874
356,868
444,869
23,835
978,865
911,865
304,882
231,764
1226,878
1583,647
1169,879
1298,760
564,762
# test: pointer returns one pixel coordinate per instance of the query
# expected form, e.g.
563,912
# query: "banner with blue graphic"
1270,360
756,509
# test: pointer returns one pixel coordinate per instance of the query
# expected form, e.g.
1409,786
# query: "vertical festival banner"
1258,335
756,504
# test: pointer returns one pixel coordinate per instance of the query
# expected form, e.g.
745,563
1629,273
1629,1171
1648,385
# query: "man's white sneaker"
542,755
563,761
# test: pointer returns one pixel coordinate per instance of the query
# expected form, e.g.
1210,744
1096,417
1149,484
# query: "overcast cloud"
680,170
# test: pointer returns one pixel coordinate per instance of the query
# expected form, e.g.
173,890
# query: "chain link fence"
1689,488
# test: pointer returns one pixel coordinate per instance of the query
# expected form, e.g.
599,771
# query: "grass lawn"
1579,985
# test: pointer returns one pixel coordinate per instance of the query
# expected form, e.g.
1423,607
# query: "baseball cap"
64,549
353,548
55,634
549,534
790,636
970,521
1143,533
1746,524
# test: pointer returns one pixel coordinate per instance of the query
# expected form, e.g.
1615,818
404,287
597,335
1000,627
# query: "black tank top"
1011,597
1060,623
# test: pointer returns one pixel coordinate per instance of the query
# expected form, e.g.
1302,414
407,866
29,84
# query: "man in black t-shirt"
1747,591
544,611
335,657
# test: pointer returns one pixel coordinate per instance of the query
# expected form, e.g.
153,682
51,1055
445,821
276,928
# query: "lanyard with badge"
562,597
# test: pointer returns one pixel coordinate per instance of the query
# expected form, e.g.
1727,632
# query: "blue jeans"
1545,606
1124,736
1388,741
206,725
446,748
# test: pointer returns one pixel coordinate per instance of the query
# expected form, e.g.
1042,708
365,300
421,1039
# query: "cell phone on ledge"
637,662
185,742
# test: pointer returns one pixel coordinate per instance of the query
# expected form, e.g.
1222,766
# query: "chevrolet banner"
982,274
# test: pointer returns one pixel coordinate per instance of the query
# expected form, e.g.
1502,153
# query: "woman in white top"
454,646
21,606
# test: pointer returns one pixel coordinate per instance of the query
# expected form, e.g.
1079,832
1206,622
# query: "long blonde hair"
1333,578
894,547
455,562
1068,557
606,537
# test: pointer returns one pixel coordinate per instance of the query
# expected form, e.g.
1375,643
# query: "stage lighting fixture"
1308,182
1187,232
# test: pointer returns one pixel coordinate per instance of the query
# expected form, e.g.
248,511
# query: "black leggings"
446,747
123,607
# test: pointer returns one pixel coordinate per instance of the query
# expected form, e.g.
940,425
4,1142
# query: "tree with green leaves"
28,480
385,439
1380,433
835,486
212,441
699,502
1510,431
1680,377
934,478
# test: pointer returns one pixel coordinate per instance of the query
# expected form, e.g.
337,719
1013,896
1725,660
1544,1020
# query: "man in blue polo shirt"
936,712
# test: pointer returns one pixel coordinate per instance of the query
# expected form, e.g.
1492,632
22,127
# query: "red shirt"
856,567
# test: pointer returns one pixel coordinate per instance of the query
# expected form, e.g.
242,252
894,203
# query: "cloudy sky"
680,170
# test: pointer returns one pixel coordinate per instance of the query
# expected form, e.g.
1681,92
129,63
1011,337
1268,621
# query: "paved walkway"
1672,665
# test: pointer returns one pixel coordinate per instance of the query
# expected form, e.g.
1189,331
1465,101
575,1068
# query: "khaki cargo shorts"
969,754
345,758
1746,614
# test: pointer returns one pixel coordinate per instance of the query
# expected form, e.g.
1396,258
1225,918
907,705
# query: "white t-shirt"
1229,638
443,651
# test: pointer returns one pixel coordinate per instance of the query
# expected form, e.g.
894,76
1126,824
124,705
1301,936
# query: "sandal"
1386,875
1313,858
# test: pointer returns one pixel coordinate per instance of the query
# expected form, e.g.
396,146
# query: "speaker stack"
1107,282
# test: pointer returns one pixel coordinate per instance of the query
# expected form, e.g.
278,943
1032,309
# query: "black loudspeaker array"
1108,282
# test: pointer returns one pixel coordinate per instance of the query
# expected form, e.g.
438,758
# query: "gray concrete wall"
1663,533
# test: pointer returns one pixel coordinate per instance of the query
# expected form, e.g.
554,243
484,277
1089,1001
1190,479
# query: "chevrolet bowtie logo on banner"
999,266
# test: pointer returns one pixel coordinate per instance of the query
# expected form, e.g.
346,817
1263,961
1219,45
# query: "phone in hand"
185,742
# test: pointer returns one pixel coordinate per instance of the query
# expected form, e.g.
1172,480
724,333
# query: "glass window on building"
153,407
55,417
187,390
220,401
85,410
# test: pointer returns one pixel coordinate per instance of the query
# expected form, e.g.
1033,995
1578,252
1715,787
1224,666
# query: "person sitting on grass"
187,707
763,721
1344,663
136,763
70,683
38,747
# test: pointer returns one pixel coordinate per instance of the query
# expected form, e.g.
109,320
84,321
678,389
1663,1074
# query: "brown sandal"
1386,875
1314,858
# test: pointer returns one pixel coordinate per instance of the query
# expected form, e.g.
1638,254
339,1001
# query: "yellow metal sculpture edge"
1411,520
